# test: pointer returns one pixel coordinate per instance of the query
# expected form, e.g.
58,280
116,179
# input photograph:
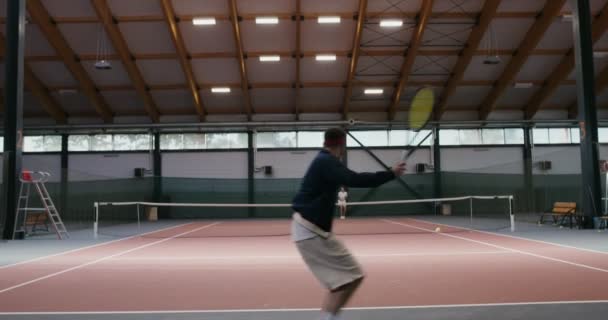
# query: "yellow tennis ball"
437,229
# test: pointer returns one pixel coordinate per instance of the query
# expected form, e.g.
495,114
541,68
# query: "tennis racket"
419,115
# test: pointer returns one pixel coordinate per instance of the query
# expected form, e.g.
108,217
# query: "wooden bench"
561,212
37,221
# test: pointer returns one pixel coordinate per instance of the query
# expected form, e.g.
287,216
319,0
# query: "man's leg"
337,298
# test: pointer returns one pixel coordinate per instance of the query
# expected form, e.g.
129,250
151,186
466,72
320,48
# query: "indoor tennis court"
186,159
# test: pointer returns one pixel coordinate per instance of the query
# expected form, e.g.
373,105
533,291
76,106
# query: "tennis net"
455,214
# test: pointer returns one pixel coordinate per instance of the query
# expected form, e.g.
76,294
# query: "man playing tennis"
328,259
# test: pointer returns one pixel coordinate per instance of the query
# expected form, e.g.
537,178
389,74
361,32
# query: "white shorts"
342,203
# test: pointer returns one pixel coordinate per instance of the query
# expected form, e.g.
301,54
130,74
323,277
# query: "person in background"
342,196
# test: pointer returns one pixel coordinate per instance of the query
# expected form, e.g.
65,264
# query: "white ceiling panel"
161,71
393,6
31,105
521,5
508,33
280,98
266,6
538,68
135,7
596,6
312,70
217,38
133,31
562,97
281,71
435,65
457,6
75,103
217,71
124,102
439,34
170,100
86,38
35,42
327,37
379,68
314,97
334,6
52,73
69,8
375,36
279,37
558,36
188,7
468,96
513,97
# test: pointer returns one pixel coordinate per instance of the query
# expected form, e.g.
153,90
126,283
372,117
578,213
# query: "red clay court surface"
179,271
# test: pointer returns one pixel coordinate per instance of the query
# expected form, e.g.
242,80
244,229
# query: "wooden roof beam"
184,58
562,71
40,15
354,57
466,55
535,34
37,88
111,27
234,18
410,57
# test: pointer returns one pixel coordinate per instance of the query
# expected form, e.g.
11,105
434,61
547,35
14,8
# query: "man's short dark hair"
334,133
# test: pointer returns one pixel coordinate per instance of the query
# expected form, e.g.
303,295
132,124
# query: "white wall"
231,165
360,160
285,164
508,160
564,159
48,163
84,167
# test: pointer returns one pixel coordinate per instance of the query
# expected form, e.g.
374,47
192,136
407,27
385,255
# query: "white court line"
212,258
88,247
104,258
500,247
429,306
514,237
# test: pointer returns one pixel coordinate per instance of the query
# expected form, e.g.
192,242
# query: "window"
449,137
469,137
226,140
310,139
42,144
130,142
400,138
540,136
101,142
275,140
79,143
368,138
1,144
559,135
514,136
172,141
194,141
575,135
493,136
602,135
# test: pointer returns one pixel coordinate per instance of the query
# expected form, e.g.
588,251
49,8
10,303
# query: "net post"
96,206
138,219
471,209
511,215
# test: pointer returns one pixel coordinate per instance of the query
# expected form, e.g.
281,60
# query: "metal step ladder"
37,179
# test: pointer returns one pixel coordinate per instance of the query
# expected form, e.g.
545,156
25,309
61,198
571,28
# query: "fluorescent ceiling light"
220,90
328,19
270,58
267,20
325,57
567,17
373,91
391,23
523,85
203,21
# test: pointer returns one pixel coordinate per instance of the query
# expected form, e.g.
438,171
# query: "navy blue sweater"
316,199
